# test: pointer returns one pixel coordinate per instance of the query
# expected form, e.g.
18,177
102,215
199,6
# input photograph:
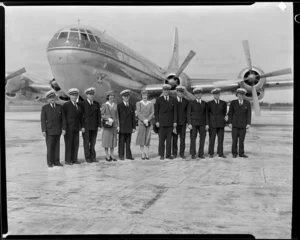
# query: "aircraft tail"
174,62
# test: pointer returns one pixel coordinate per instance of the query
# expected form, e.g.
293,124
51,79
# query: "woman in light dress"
145,113
109,135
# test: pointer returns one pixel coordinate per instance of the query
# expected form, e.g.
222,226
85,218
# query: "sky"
215,33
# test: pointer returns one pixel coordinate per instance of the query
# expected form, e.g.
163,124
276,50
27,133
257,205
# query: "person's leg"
142,149
161,144
168,141
67,148
86,143
202,133
220,141
128,142
242,135
75,146
112,154
49,150
93,138
234,134
174,142
193,141
121,145
57,150
212,139
182,133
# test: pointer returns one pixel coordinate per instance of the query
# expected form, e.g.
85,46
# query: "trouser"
165,135
124,144
181,131
238,135
202,134
212,138
53,146
71,146
89,141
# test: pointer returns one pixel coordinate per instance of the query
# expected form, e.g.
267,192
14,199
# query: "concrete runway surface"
220,196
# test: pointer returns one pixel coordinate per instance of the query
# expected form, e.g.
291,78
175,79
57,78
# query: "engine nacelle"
251,78
175,81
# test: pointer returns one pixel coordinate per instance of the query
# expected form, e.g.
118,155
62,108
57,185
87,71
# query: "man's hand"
206,127
133,130
230,125
82,130
157,124
118,129
145,121
248,126
190,126
226,118
99,128
174,125
63,132
44,134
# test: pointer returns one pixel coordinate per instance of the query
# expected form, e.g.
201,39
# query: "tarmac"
201,196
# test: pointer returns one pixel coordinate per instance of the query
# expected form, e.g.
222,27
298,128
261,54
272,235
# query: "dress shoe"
183,157
162,158
58,165
88,160
243,156
234,155
147,158
108,159
143,158
222,156
67,163
94,160
114,159
170,157
201,156
50,165
193,157
121,158
131,158
211,156
175,156
76,162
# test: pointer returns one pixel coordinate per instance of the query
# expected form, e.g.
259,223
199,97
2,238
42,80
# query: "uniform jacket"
165,111
126,117
72,116
91,115
239,116
52,119
181,110
197,113
217,113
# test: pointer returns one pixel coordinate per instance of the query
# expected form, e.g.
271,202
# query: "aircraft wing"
277,84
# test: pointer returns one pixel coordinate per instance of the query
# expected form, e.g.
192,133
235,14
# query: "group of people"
170,117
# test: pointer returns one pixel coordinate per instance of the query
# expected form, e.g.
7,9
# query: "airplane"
82,56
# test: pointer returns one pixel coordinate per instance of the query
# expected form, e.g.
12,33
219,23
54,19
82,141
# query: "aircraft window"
74,29
55,35
74,35
89,31
84,36
98,39
63,35
82,30
92,38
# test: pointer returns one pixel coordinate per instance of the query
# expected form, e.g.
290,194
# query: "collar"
179,98
89,101
145,103
126,103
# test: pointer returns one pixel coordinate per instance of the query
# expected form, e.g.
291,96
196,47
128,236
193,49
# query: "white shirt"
52,105
126,103
90,102
198,100
167,98
241,102
75,105
217,101
179,99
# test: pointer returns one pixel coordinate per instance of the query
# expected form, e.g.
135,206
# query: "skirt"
143,135
109,137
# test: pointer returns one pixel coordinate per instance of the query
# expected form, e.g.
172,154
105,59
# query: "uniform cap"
90,90
125,92
216,91
50,94
166,86
73,91
197,90
180,88
241,90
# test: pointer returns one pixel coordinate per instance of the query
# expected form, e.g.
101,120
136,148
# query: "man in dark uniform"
165,120
181,105
72,114
197,122
51,122
126,113
91,123
217,115
239,120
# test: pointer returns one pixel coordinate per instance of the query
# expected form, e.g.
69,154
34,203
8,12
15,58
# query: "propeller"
247,53
16,73
277,73
255,102
185,63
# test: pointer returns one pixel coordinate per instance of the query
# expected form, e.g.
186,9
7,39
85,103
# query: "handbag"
105,122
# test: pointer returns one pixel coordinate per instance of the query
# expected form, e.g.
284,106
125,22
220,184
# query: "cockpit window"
74,35
83,36
55,35
92,38
63,35
74,29
89,31
98,39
